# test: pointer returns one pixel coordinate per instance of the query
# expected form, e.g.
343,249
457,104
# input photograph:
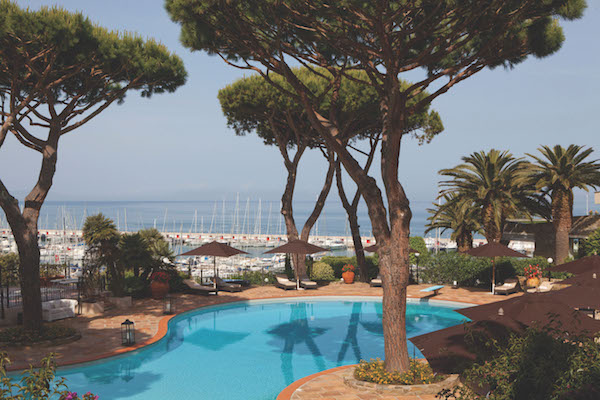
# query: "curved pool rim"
165,322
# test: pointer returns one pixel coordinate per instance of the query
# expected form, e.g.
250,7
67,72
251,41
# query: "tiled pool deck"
101,335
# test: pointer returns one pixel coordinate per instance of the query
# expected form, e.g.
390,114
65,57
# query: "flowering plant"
73,396
419,373
159,276
348,267
533,271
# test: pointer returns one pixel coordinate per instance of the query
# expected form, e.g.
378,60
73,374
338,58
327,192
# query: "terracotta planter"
159,289
533,282
348,277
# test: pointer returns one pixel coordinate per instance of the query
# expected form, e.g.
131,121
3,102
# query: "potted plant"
348,273
533,274
159,284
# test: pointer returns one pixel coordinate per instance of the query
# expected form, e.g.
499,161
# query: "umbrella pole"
493,275
215,273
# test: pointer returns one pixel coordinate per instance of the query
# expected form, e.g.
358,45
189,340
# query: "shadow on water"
295,332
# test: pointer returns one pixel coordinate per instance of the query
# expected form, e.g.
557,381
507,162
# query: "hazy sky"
177,146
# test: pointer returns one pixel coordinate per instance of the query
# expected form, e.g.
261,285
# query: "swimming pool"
253,350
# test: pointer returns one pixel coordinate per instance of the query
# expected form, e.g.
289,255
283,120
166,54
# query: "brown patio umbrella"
589,278
544,309
582,297
493,250
579,266
214,249
296,246
452,349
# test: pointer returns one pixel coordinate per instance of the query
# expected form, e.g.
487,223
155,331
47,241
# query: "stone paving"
101,335
331,386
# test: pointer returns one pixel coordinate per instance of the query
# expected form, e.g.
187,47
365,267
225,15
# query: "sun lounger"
228,287
509,286
545,286
284,283
307,283
376,282
196,288
434,289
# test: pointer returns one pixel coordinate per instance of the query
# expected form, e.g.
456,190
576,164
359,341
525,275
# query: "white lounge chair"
284,283
376,282
307,283
509,286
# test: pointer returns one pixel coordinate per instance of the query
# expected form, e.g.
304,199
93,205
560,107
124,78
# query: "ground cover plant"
540,365
419,373
18,334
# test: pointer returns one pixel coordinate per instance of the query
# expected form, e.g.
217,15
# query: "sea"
250,216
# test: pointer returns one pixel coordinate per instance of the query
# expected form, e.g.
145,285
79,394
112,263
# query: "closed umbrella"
214,249
493,250
296,246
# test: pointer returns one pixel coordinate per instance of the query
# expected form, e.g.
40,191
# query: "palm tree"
159,251
135,252
556,173
459,216
491,183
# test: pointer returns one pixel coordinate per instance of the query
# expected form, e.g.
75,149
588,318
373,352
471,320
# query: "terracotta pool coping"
163,326
286,394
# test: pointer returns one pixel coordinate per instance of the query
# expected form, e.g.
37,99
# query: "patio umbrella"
579,266
214,249
452,349
493,250
544,309
590,278
582,297
296,246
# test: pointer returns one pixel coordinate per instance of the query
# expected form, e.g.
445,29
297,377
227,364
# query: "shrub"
374,371
540,365
591,245
176,278
136,287
17,334
322,272
289,271
38,384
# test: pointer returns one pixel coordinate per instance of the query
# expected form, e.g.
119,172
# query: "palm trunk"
561,223
464,242
491,231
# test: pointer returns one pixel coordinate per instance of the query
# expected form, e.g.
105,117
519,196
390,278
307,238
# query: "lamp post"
417,255
127,333
169,305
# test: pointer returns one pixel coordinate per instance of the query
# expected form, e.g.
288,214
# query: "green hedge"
256,277
446,267
337,263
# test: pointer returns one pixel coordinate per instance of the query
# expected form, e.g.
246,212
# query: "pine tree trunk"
358,247
29,275
561,223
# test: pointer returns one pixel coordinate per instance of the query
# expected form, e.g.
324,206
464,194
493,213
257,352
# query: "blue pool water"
252,350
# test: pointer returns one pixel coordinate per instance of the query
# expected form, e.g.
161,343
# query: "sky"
177,146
